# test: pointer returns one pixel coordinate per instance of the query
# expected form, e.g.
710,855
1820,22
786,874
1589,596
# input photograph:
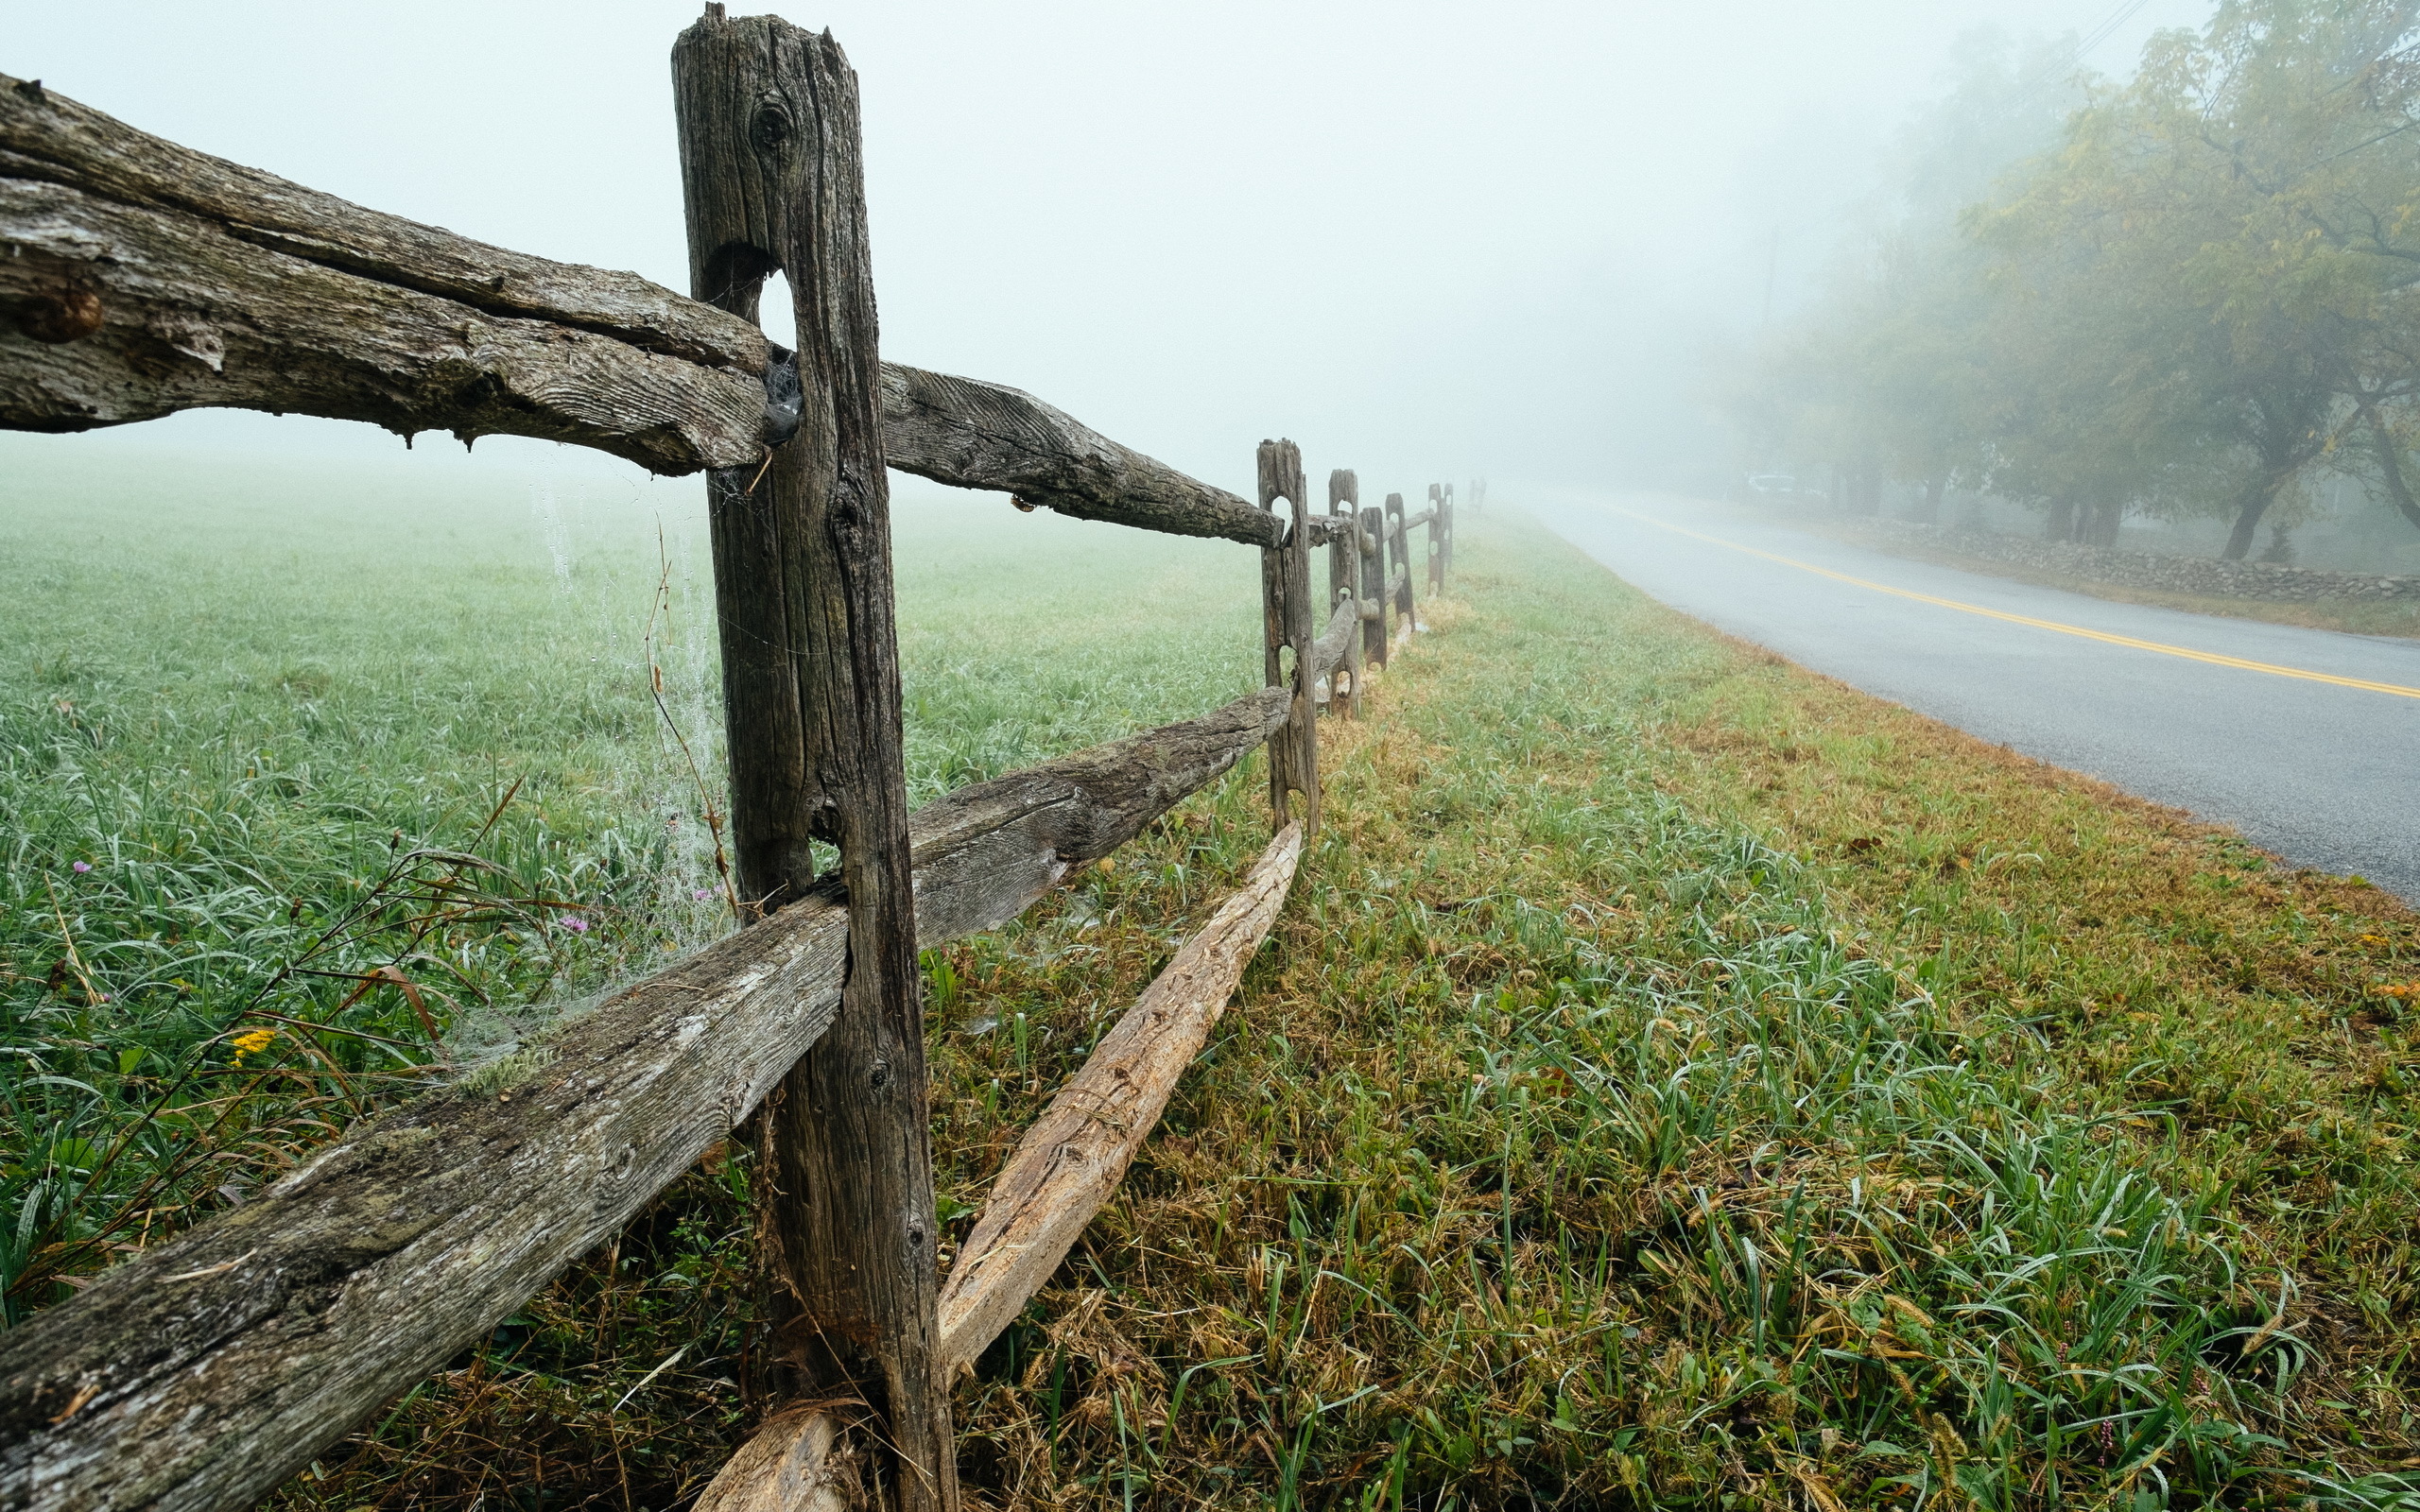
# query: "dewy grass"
1577,1143
1676,1081
322,782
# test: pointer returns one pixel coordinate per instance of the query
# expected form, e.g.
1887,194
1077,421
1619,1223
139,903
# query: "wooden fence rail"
139,278
164,279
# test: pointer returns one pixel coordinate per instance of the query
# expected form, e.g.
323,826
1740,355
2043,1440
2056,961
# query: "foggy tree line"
2192,292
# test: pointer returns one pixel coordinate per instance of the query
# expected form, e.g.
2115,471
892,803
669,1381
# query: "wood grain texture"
223,285
45,136
1287,623
1339,642
281,1325
193,316
1399,561
1059,1177
1434,518
986,851
1374,587
973,434
1072,1159
1325,529
1344,503
1344,570
772,177
803,1459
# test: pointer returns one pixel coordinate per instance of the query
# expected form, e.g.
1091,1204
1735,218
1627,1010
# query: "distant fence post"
1372,545
1446,515
1399,563
1344,577
1286,616
1439,502
774,178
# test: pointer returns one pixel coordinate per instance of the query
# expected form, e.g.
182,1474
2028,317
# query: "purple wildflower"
576,924
703,895
83,866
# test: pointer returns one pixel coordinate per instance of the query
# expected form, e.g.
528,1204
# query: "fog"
1423,240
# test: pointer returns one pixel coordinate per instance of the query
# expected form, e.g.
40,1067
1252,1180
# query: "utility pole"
1773,267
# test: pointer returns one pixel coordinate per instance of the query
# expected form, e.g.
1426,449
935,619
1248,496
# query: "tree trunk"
2058,522
2389,456
2253,505
1933,487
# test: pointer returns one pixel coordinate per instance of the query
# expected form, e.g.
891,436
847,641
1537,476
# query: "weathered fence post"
1437,503
1371,545
1343,575
1399,563
772,178
1286,616
1446,513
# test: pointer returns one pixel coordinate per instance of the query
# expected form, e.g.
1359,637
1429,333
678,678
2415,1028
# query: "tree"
2241,221
2180,294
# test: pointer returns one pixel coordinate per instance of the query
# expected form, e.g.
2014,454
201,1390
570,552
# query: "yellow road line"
2164,649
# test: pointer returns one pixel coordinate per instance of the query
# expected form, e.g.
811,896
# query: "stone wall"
2140,568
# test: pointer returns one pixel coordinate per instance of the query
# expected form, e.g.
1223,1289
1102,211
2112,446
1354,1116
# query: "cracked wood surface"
1054,1183
203,283
1076,1153
772,177
983,435
221,286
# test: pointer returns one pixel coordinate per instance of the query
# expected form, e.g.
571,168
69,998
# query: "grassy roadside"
2353,616
1678,1081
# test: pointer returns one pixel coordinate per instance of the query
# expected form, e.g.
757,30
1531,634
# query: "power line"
2102,33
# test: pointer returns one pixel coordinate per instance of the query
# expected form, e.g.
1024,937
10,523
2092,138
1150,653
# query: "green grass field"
1677,1080
270,730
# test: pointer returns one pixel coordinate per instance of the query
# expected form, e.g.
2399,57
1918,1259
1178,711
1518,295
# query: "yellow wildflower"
251,1043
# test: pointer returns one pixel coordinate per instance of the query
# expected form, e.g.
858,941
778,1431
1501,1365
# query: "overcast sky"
1423,240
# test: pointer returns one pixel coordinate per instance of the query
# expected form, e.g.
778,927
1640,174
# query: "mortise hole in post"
776,315
738,268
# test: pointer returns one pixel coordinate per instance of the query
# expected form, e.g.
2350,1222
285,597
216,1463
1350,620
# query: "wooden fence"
139,278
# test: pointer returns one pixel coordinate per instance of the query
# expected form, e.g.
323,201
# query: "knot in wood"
770,128
850,515
61,316
880,1076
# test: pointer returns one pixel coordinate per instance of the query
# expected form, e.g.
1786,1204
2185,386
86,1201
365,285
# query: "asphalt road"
2324,774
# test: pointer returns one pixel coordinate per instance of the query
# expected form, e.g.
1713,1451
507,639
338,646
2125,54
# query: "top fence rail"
149,277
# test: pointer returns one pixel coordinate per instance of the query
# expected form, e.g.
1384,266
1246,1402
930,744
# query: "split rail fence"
139,278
